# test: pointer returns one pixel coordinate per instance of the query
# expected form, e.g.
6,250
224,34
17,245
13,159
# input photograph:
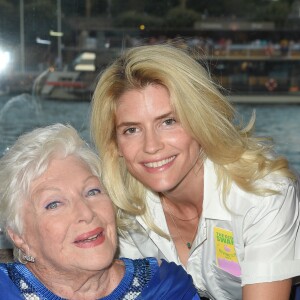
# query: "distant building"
293,19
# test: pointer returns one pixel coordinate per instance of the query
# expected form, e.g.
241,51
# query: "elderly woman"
62,225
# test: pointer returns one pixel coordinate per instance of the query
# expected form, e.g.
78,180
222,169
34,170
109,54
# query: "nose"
84,211
152,141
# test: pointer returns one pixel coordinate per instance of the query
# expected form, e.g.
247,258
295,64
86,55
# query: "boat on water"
75,82
242,73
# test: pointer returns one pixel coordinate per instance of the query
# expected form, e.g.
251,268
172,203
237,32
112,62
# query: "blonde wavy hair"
203,111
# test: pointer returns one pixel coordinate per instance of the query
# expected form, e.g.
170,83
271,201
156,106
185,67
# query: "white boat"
75,82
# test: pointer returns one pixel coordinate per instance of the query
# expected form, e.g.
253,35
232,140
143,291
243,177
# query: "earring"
29,258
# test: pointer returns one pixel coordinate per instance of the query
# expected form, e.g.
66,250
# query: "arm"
276,290
269,234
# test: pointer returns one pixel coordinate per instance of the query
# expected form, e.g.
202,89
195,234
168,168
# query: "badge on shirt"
225,252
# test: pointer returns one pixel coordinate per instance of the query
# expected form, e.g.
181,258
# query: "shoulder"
170,281
177,271
284,191
8,289
142,266
269,214
150,262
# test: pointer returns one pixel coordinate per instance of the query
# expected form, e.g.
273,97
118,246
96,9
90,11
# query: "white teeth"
158,164
92,238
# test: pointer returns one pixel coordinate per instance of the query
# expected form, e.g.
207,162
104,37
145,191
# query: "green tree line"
40,15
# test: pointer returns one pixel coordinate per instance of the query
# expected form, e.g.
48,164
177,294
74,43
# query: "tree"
183,4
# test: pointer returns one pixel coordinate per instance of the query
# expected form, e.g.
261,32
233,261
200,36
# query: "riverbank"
265,99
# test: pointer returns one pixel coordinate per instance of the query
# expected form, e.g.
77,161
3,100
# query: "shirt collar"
213,204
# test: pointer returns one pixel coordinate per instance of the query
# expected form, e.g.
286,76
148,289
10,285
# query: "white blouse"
253,240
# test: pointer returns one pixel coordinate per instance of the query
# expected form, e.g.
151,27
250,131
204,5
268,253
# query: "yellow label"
226,258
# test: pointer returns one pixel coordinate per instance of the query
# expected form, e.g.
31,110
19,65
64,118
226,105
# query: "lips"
160,163
91,238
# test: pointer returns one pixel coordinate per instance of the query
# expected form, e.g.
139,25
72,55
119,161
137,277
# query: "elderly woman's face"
69,222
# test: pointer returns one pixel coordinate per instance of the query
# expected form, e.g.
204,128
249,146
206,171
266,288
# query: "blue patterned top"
144,279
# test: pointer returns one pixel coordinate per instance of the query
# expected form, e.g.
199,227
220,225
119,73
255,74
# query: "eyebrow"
55,189
126,124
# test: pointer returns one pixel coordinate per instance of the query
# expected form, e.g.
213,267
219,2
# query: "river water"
24,112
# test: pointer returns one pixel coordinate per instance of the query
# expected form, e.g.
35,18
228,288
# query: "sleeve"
170,281
270,231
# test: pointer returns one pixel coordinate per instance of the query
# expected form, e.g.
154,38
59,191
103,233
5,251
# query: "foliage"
160,8
134,19
276,12
181,18
40,15
80,7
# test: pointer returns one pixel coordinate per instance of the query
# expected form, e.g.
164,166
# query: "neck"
188,197
80,284
188,211
189,191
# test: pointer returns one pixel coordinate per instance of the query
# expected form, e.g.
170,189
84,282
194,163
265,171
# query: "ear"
18,241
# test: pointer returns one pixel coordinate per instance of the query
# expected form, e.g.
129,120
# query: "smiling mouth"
160,163
89,239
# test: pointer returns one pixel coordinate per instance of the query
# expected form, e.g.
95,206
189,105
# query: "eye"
93,192
53,205
169,121
130,130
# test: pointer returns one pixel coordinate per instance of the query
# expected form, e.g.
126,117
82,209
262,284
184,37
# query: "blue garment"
8,290
170,282
296,293
144,279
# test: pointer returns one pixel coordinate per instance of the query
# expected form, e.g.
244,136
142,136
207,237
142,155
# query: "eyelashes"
52,205
93,192
56,203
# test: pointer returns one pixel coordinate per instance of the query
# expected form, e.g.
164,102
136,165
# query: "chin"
160,188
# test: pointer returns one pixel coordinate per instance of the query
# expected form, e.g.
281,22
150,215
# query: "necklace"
185,220
188,244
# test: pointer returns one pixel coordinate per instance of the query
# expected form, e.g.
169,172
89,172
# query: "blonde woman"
191,184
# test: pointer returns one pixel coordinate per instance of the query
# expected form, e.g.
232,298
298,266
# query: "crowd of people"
224,46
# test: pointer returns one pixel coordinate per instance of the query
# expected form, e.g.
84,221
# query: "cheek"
128,151
104,209
195,147
120,149
127,146
41,236
111,214
189,143
122,146
53,231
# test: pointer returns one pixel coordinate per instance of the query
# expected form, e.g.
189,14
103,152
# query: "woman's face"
69,221
155,147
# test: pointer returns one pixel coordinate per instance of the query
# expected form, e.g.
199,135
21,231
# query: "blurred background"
250,46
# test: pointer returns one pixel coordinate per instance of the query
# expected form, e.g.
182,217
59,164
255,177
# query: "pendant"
189,245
